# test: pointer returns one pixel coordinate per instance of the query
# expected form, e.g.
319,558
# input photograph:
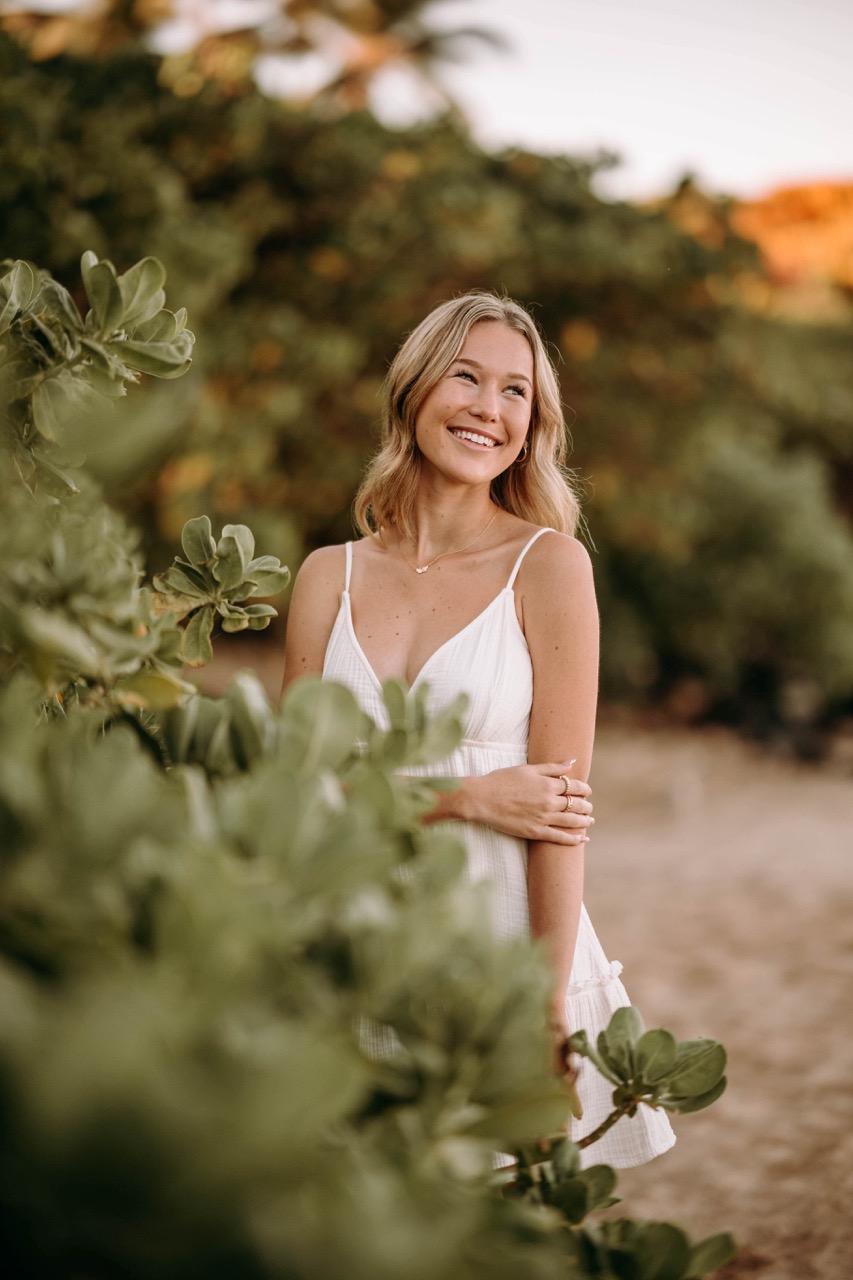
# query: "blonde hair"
538,488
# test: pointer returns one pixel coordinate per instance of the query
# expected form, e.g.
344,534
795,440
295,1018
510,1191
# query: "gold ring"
570,800
565,790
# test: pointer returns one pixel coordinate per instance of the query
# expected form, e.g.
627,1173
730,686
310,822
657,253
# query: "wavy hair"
538,488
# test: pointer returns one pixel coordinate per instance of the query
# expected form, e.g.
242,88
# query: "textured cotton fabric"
490,661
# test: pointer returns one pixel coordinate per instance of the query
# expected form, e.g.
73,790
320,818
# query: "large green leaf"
197,540
160,359
142,291
103,292
695,1102
196,648
524,1119
655,1054
244,538
710,1254
698,1066
228,565
152,689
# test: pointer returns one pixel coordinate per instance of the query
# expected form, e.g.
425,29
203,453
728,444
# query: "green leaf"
160,359
179,580
102,291
142,291
524,1119
579,1043
698,1066
599,1180
395,698
228,564
21,286
47,405
697,1102
251,716
269,582
572,1199
197,540
53,635
152,689
196,648
655,1055
566,1158
324,719
622,1032
163,327
179,726
244,538
661,1251
710,1254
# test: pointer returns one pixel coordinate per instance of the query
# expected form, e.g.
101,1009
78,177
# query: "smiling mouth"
473,439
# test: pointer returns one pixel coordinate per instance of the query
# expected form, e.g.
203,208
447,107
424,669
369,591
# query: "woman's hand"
529,800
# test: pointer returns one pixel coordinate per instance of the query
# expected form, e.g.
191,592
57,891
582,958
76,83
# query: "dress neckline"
346,605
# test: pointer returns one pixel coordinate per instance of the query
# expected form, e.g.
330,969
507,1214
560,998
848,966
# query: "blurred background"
669,188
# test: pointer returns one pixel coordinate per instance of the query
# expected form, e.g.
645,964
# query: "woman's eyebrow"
477,365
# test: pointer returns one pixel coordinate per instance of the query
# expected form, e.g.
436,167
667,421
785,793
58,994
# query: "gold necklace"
422,568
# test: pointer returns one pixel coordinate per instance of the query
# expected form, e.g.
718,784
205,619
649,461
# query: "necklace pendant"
421,568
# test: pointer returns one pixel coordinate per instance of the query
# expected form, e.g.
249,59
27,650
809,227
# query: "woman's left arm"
562,629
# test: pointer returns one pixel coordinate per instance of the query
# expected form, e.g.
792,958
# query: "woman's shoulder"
323,570
555,559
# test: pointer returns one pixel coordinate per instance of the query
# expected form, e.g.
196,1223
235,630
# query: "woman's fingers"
558,769
572,821
561,835
578,805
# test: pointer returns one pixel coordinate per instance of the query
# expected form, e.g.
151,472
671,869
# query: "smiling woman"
468,578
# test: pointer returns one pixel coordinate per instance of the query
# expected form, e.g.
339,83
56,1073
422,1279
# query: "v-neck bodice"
488,659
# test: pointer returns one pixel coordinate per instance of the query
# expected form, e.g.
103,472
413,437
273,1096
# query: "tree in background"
712,429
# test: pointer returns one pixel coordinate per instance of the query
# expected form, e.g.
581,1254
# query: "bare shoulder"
556,560
314,602
321,564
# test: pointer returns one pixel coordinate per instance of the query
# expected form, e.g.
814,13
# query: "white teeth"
472,435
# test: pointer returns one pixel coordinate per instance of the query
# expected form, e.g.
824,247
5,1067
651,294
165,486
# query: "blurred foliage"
71,607
714,437
209,907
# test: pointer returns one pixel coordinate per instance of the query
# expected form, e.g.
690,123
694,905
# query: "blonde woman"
468,576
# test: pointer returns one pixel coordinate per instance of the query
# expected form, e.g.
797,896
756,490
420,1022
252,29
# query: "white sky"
746,93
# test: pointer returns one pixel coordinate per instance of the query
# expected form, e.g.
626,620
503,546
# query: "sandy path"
721,879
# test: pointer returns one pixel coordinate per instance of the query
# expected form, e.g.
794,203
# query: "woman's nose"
487,401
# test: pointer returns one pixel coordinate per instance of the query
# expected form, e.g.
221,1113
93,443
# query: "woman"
468,577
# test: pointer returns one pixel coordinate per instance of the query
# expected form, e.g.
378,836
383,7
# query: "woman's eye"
466,373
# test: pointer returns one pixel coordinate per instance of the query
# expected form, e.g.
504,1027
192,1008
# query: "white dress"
489,660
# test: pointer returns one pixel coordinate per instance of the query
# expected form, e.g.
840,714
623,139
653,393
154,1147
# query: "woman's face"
486,391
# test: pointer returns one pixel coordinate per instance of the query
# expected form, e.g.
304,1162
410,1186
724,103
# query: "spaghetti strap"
523,552
348,568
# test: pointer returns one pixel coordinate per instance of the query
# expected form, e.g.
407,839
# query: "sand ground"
721,877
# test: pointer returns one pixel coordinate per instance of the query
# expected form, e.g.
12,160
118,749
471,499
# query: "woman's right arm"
314,603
